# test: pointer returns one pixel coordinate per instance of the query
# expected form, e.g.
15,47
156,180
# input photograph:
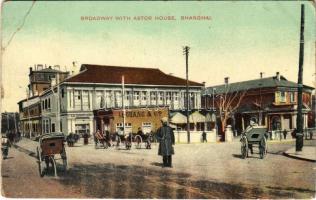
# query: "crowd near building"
109,98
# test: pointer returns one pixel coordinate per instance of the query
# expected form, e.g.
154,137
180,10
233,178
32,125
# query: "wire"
20,27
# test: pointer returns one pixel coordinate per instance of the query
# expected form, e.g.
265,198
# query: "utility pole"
58,122
299,119
186,50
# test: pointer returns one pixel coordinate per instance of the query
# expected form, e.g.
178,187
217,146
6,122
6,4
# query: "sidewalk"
308,153
27,145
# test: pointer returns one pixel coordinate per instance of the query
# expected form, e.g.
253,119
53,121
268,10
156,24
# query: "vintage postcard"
158,99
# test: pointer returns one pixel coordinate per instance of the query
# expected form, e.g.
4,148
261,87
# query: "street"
212,170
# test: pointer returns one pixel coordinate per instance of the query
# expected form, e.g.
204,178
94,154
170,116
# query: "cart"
145,138
254,136
51,145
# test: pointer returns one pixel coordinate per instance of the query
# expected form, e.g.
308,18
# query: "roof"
269,82
132,75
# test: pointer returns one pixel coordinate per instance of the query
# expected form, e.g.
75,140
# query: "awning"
210,117
178,118
196,117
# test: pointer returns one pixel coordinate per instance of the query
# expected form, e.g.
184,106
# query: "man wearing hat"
165,137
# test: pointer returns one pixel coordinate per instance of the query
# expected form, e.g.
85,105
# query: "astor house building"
270,101
99,88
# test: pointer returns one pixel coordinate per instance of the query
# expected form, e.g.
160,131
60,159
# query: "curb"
28,152
298,158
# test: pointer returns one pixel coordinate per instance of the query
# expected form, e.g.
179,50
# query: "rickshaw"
139,139
254,136
123,139
49,146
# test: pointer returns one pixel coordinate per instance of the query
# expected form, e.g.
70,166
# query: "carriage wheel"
39,161
244,147
263,148
54,165
64,158
138,141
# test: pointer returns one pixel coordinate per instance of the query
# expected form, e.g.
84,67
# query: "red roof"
132,75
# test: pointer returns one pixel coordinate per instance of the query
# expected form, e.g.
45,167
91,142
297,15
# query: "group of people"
164,135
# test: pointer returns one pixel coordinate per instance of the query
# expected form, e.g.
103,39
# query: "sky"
240,40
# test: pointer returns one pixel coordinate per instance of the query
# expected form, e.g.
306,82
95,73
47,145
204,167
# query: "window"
53,127
153,96
45,103
62,93
176,97
77,99
144,96
282,97
82,128
168,96
127,95
136,95
48,103
85,99
160,96
292,97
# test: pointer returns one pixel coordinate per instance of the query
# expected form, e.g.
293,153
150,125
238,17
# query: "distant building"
9,122
270,101
30,110
100,87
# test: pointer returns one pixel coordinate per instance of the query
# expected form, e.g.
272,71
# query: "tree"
228,103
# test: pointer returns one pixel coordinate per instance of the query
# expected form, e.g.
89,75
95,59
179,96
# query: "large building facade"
30,108
270,101
74,100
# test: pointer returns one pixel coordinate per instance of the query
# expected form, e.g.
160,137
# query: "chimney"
50,67
261,74
31,70
226,80
278,76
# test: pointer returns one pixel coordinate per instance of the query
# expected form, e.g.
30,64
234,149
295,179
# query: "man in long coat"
165,137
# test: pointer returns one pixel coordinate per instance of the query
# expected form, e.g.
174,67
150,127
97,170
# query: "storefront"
148,119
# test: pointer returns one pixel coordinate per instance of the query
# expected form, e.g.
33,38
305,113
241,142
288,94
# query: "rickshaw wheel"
39,161
244,148
138,141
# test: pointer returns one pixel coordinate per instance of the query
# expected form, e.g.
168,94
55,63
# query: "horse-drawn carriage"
51,145
138,140
254,136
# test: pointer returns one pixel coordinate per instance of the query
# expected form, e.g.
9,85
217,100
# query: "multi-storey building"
9,122
270,101
98,87
40,78
30,109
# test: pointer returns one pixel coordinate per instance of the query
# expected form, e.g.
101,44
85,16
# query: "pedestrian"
85,138
165,136
311,135
204,137
284,134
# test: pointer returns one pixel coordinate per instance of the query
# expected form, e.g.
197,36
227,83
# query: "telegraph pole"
186,50
299,119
